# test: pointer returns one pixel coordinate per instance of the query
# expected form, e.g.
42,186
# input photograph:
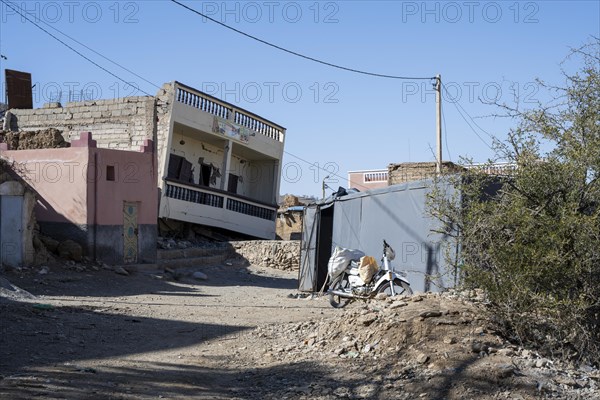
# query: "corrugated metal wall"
398,215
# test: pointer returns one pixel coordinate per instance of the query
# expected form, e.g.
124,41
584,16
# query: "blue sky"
336,120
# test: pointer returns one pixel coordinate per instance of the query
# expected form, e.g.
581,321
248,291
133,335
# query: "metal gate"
307,274
11,230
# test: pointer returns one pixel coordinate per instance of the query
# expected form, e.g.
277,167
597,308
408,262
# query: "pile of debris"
278,254
67,249
26,140
424,346
165,243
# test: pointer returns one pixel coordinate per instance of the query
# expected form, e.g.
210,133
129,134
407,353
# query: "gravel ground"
90,333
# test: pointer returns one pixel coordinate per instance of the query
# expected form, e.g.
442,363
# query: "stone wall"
289,225
116,123
284,255
414,171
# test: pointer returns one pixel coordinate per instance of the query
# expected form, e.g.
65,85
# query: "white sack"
340,259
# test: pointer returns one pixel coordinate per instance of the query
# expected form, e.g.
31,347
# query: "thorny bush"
530,236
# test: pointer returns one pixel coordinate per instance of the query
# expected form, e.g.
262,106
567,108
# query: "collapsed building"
212,163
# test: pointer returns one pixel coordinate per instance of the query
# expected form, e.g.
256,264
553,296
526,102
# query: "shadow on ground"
223,275
296,380
32,335
163,380
61,282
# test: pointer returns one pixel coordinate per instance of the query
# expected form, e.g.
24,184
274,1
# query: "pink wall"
134,181
72,182
356,180
58,177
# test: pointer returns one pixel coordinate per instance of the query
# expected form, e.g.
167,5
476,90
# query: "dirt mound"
425,346
26,140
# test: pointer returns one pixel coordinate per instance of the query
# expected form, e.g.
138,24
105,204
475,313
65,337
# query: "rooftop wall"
117,123
415,171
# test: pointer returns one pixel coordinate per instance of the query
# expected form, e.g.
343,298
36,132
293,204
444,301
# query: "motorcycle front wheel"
339,283
400,288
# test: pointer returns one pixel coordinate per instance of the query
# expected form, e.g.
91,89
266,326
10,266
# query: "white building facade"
219,165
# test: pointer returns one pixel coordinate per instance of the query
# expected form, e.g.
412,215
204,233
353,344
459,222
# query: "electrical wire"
459,108
298,54
18,11
473,129
10,5
331,174
457,104
98,53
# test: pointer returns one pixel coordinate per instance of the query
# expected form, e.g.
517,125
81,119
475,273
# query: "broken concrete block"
70,250
51,244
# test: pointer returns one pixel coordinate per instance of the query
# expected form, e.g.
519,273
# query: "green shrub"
533,244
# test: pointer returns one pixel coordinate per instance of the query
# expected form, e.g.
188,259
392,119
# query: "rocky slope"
426,346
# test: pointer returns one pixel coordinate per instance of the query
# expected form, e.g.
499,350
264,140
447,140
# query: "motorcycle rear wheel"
339,283
400,288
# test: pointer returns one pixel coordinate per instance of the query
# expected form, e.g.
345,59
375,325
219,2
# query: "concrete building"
218,165
368,179
106,200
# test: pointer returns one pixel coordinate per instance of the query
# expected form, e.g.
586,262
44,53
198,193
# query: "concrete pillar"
226,162
276,181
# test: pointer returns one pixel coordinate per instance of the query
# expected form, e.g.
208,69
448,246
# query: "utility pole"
438,101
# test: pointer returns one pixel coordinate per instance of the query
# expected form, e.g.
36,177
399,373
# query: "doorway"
130,232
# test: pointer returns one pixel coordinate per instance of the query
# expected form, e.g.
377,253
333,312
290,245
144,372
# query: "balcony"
213,207
226,111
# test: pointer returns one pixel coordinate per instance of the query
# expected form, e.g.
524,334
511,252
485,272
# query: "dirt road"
237,335
96,334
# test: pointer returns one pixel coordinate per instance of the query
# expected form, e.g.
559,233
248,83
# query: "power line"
471,118
331,174
100,54
298,54
473,129
68,46
316,165
457,105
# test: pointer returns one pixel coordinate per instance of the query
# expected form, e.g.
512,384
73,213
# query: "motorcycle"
349,285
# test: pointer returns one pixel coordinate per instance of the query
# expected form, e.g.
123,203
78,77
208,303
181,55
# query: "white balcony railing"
219,199
212,105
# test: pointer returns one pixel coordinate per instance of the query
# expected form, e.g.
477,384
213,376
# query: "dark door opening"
324,242
232,183
205,171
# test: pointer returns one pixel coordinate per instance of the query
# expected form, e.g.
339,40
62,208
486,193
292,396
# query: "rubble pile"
26,140
164,243
278,254
420,347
